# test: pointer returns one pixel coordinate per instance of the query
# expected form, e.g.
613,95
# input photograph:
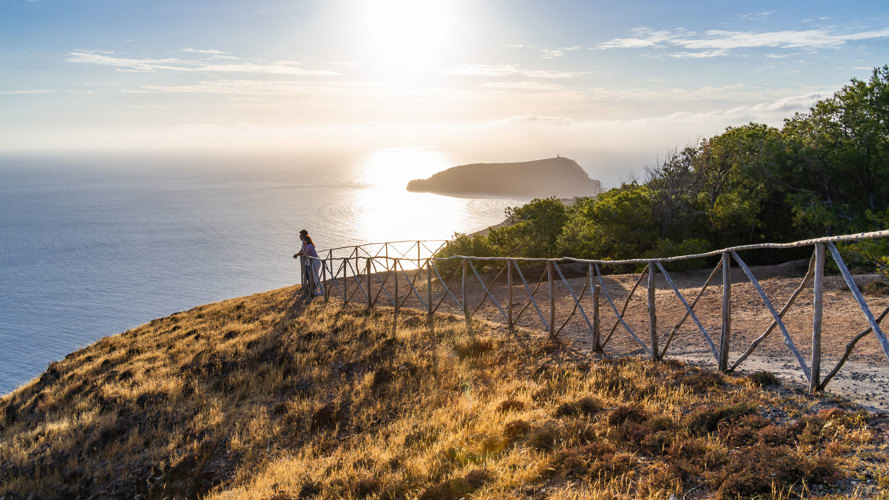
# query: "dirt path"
864,378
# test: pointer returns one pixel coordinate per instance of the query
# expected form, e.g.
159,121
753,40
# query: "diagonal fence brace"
793,296
411,284
445,286
875,326
849,347
688,308
488,293
530,295
573,296
620,317
787,340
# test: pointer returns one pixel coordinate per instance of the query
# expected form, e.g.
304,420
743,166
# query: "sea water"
93,247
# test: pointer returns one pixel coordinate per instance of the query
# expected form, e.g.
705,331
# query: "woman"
312,263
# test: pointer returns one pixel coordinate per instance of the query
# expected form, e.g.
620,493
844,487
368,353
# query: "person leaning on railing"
310,266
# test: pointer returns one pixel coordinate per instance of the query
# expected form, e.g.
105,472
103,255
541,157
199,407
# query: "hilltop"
267,397
560,177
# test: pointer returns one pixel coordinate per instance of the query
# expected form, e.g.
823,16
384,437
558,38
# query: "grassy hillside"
261,397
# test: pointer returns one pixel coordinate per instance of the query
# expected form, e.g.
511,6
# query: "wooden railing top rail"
371,279
380,243
713,253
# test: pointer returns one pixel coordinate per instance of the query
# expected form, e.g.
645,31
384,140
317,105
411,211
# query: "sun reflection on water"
385,211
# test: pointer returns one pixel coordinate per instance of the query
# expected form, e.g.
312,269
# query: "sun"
408,32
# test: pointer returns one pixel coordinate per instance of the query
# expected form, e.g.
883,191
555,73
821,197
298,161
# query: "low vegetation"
824,172
263,397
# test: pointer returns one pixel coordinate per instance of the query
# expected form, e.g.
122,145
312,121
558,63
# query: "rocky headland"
560,177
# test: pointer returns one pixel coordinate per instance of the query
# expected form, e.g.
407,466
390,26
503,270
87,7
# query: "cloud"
699,55
642,38
791,104
203,51
714,43
529,119
756,16
524,85
26,92
611,149
200,65
505,70
559,52
230,87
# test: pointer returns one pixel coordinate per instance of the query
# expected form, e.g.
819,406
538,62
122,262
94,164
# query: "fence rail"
410,272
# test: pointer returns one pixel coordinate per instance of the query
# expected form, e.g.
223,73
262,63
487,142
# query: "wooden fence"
408,272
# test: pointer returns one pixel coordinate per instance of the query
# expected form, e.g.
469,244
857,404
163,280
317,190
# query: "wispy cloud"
642,37
699,55
714,43
191,50
210,65
528,85
26,91
756,16
506,70
560,51
792,103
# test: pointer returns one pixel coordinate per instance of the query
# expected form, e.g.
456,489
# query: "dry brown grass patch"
265,397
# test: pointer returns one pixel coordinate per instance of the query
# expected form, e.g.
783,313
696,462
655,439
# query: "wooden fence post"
465,298
552,299
597,342
395,306
345,283
652,314
726,311
332,276
324,280
509,296
818,301
369,295
429,294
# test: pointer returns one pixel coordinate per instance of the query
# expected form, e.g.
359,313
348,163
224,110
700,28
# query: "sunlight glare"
391,169
387,211
408,32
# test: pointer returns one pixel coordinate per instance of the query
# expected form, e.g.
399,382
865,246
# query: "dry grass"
260,397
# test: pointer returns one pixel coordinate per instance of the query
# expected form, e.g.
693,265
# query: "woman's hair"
308,240
303,232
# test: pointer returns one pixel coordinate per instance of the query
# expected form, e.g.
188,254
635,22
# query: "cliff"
561,177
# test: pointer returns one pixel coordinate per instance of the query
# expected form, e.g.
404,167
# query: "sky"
614,84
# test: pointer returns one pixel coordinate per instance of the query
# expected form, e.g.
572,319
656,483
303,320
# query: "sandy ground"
864,378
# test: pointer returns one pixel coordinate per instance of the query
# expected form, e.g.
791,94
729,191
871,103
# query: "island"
559,176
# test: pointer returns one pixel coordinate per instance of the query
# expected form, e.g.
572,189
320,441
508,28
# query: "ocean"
90,247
